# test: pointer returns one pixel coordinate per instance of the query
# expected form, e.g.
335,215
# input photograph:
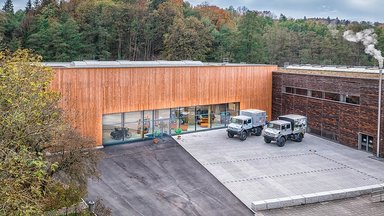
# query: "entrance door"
366,143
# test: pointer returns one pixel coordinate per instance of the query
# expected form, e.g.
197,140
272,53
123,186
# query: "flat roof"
132,64
292,116
336,71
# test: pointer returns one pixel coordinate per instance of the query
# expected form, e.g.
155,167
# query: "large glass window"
175,119
161,122
133,123
203,117
220,115
187,119
131,126
147,129
113,129
233,109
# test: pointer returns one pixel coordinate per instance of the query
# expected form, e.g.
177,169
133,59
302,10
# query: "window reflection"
131,126
133,123
161,122
204,117
112,125
221,116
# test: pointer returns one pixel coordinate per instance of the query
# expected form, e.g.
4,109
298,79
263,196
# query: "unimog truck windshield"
274,126
236,121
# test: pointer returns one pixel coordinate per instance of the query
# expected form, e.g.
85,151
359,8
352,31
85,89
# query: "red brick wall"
339,121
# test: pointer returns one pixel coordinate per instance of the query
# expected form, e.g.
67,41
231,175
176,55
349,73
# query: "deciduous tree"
44,162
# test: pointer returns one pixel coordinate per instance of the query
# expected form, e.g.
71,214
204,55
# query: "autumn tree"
44,162
218,17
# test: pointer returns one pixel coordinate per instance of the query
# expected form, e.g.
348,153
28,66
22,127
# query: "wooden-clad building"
122,101
341,103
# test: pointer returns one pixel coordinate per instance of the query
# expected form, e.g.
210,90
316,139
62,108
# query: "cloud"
363,4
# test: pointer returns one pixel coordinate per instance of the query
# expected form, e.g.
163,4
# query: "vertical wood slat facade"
92,92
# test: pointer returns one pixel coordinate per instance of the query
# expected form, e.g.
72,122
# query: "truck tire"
280,142
267,140
299,137
230,135
258,131
243,135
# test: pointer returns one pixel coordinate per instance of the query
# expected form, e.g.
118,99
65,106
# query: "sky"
354,10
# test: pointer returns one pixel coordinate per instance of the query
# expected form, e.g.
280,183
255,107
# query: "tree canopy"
175,30
44,163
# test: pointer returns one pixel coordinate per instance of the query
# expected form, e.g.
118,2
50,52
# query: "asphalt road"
162,179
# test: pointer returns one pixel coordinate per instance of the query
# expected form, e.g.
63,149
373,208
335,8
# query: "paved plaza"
253,170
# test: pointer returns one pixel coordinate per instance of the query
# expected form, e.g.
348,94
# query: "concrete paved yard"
255,171
162,179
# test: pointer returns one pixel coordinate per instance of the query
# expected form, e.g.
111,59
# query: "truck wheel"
299,137
258,131
230,135
281,142
267,140
243,135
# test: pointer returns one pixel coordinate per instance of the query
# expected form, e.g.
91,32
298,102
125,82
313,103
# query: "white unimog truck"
291,127
249,122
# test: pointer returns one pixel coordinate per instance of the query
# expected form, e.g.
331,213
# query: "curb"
314,197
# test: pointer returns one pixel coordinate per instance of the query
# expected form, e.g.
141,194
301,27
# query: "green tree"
44,162
55,36
28,7
250,45
223,45
11,29
187,39
161,20
8,6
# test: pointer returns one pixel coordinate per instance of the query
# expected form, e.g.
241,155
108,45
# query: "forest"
70,30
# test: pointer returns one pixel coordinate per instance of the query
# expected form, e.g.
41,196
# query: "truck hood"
271,131
234,126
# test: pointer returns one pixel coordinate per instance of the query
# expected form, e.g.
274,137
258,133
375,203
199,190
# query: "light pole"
379,114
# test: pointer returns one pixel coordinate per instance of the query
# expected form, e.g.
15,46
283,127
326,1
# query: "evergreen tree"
36,3
29,6
8,6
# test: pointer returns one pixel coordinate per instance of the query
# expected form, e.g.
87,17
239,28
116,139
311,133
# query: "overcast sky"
356,10
368,10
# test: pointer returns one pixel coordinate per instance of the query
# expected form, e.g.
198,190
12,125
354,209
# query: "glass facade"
161,124
133,123
112,129
132,126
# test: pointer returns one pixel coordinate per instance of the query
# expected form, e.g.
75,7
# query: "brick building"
341,103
